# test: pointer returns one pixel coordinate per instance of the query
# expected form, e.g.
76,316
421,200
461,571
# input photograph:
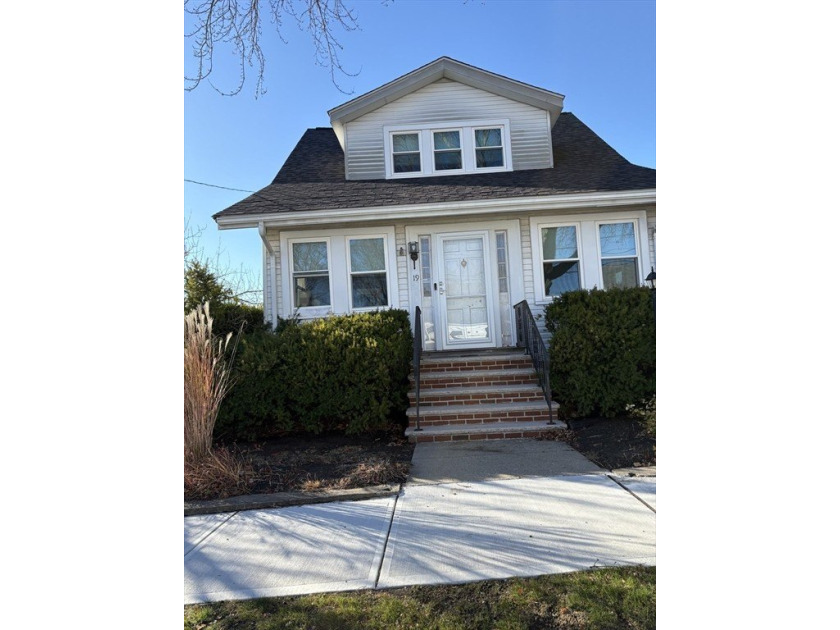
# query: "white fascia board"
509,88
456,71
440,210
385,94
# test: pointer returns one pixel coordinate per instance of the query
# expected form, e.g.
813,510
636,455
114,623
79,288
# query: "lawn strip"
614,598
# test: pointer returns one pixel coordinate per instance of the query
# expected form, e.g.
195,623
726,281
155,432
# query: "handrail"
528,335
418,350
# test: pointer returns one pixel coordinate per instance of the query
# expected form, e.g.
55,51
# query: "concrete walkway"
470,511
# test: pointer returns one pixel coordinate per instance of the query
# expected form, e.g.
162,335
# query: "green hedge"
230,317
347,372
603,350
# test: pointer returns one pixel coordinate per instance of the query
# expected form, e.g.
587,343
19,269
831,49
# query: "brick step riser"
451,400
473,380
506,435
475,367
446,420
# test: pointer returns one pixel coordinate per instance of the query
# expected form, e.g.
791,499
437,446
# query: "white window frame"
541,273
467,130
637,243
489,169
502,266
350,273
293,285
390,145
447,171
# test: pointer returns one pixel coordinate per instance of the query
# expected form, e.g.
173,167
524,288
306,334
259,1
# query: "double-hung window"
619,255
311,273
368,272
560,259
447,148
489,151
406,152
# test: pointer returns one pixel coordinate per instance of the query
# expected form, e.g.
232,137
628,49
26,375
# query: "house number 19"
415,277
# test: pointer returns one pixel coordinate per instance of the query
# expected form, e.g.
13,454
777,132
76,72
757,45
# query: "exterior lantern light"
651,277
414,252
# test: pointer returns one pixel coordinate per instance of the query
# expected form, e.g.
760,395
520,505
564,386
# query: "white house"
453,189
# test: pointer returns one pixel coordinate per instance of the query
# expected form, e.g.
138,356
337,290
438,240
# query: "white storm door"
463,290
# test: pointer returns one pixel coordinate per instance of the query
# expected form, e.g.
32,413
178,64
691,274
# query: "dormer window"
489,152
448,150
479,146
406,152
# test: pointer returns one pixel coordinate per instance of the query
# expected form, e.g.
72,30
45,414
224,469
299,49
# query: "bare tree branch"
217,27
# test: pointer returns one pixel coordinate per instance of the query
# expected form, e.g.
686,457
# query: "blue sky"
600,55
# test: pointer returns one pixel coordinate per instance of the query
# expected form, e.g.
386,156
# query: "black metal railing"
528,336
418,350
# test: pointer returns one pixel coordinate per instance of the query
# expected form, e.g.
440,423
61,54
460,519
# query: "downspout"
272,274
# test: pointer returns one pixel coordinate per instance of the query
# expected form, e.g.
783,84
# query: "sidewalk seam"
210,533
642,501
387,538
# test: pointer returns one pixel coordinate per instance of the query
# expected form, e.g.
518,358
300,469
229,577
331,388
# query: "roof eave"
571,201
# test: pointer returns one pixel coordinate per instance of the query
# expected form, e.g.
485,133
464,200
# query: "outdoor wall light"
414,252
651,277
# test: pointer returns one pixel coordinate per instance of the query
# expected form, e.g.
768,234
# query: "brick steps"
478,396
502,361
498,431
513,376
482,414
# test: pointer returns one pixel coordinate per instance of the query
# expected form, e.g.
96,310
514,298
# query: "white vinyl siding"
435,104
272,295
651,222
402,266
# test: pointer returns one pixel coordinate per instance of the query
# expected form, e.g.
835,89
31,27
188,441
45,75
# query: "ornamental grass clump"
207,369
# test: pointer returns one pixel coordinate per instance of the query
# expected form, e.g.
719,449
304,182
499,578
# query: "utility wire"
253,192
192,181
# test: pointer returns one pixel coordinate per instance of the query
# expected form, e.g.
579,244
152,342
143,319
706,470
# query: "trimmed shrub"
603,350
347,372
258,404
230,317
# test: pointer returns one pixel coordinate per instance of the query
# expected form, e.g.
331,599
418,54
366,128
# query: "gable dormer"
446,118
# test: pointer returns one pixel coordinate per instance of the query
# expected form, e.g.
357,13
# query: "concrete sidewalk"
470,511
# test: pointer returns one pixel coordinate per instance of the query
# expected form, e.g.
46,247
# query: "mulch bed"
612,442
331,460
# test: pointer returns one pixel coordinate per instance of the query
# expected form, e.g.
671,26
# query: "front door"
463,291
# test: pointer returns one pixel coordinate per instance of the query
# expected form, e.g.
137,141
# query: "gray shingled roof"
312,179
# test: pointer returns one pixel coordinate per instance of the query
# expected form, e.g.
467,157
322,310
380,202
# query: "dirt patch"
612,442
329,461
334,461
